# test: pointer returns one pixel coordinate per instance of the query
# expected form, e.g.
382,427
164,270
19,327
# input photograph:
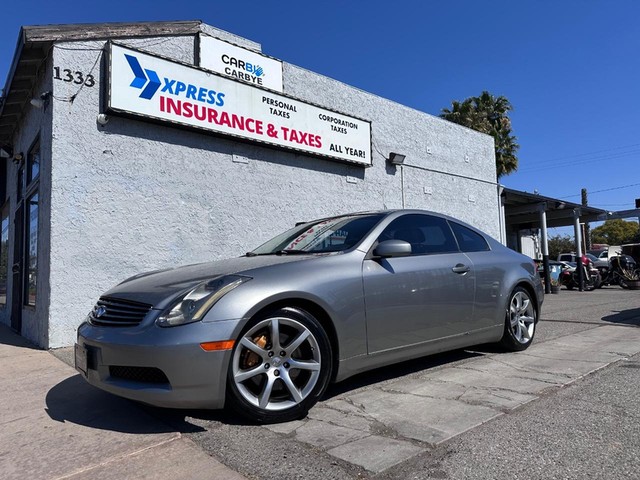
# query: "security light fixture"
18,157
396,158
6,152
41,101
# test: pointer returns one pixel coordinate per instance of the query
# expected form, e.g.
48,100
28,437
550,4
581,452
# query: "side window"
4,253
31,206
425,233
468,240
33,162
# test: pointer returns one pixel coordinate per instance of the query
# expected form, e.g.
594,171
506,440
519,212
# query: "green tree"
615,232
489,114
560,244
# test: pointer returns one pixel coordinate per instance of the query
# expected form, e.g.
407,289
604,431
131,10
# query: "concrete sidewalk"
47,430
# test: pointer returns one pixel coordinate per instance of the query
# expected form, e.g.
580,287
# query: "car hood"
159,288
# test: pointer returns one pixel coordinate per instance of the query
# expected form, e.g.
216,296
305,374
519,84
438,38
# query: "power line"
605,190
579,162
612,204
565,157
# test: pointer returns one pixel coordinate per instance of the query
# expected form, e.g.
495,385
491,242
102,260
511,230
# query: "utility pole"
587,228
576,230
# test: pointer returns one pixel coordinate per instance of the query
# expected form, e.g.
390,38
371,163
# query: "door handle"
461,268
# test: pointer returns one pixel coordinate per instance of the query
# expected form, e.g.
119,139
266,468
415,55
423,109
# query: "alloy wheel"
522,317
276,364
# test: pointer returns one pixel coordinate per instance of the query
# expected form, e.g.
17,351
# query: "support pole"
545,247
402,184
587,227
578,236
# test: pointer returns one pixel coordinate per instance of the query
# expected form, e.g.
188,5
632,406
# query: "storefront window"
33,162
31,257
4,253
21,180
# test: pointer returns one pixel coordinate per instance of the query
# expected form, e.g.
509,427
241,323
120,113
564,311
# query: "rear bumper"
193,378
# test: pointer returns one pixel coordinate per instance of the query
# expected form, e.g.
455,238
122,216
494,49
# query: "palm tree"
489,114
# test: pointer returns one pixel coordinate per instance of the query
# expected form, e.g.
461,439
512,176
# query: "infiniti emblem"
100,311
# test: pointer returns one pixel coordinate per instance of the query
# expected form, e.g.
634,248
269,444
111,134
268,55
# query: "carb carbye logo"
250,68
141,78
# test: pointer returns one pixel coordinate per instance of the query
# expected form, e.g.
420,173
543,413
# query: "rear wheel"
280,367
520,321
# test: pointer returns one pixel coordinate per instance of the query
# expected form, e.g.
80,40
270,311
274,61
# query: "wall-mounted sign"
146,85
240,63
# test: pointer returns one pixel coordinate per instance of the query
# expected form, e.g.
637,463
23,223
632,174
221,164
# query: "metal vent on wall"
115,312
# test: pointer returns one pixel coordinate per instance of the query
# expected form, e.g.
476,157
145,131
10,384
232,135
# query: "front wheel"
520,321
280,367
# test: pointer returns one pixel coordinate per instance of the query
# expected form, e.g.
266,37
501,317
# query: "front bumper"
192,377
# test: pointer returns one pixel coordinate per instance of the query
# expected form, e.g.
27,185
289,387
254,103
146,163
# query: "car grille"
138,374
115,312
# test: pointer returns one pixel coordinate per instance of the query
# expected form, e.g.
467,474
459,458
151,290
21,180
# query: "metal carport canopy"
523,209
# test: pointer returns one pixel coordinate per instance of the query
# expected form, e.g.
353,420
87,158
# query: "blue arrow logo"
141,79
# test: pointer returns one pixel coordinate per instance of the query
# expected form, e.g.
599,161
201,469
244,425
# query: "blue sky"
571,68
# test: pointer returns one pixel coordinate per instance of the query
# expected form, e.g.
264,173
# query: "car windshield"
322,236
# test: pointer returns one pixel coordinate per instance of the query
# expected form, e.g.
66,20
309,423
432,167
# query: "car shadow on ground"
626,317
74,400
402,369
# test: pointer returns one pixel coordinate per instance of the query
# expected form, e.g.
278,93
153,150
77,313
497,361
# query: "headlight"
193,306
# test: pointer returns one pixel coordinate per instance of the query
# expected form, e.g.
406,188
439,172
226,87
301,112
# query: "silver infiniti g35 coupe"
265,333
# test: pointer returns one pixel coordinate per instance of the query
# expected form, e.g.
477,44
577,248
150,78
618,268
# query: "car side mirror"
392,248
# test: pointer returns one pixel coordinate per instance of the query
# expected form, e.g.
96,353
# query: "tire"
597,281
520,321
263,383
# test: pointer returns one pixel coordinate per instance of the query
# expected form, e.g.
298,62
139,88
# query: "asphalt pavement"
565,408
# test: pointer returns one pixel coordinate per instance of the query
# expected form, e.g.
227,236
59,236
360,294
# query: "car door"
489,275
421,297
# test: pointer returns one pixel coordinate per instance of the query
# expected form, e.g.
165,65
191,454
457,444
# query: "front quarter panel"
332,282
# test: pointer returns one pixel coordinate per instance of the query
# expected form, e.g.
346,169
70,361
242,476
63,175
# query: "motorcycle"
614,274
590,275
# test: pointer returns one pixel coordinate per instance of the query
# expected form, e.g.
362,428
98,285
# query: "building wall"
36,121
133,196
448,168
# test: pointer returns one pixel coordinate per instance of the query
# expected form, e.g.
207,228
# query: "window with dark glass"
468,240
425,233
21,180
31,254
4,253
33,162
